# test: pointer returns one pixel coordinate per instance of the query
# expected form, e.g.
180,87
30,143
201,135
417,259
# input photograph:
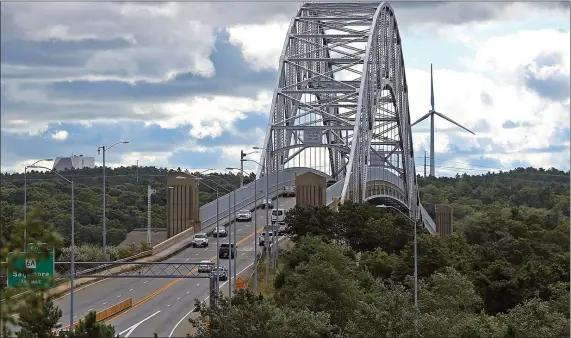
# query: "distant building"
74,162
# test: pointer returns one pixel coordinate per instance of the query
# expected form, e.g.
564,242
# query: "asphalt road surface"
161,303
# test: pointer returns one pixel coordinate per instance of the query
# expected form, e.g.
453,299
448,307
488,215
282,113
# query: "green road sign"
31,269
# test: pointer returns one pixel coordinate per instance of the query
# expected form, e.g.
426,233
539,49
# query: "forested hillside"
504,273
126,200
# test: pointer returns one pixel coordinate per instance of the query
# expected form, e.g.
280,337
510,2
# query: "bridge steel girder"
366,112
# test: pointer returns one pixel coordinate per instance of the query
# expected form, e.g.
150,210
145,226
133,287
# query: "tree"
39,318
33,303
90,328
311,220
252,317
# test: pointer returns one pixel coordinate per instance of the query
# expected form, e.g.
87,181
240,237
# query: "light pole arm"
51,170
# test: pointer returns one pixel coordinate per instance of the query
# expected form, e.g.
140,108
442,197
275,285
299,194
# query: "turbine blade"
431,88
424,117
454,122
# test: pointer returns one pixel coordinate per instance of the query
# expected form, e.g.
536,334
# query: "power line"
492,168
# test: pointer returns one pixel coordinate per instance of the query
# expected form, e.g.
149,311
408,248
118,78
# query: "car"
221,272
204,266
200,240
220,233
289,191
267,203
262,237
278,216
224,250
244,215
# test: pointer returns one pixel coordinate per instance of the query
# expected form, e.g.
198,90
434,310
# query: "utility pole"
242,155
424,164
149,193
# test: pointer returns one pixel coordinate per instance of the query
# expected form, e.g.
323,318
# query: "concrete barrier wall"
173,240
115,309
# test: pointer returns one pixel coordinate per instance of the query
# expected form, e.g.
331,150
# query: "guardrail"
172,241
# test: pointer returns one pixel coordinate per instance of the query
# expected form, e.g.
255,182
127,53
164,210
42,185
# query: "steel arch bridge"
341,105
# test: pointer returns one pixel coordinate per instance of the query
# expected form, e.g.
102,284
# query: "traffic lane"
243,235
105,293
162,315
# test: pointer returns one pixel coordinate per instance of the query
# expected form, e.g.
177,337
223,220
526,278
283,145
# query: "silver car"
205,267
244,215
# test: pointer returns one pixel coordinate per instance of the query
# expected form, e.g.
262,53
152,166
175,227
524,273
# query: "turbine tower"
431,113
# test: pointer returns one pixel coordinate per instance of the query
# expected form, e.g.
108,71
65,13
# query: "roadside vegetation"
503,273
126,205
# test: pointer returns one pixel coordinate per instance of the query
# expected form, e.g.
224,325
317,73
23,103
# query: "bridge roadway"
160,303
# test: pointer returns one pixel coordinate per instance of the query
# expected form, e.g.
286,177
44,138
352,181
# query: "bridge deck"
245,198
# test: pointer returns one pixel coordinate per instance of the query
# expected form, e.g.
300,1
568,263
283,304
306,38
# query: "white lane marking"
132,328
198,254
168,305
187,292
205,299
178,298
119,296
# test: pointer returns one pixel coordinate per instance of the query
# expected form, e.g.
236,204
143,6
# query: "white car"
204,267
200,240
244,215
278,216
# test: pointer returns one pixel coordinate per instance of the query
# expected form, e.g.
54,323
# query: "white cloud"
260,55
60,135
169,38
207,116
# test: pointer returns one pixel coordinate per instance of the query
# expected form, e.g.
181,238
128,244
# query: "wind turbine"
431,113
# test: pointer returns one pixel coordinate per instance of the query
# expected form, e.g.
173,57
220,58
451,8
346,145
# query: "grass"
266,289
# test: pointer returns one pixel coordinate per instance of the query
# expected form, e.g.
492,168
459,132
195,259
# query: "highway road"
161,303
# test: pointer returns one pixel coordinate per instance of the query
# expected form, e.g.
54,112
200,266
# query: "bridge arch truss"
341,103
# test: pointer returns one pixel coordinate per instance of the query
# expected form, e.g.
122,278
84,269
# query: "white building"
74,162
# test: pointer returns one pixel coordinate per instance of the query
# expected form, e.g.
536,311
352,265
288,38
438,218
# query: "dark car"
267,203
225,251
221,272
220,233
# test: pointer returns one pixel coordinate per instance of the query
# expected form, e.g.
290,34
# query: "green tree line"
126,200
504,272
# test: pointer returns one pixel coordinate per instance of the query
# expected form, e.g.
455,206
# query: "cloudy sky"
190,84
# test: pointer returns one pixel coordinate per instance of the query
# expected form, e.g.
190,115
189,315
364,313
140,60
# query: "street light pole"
383,206
72,279
217,248
104,196
72,244
26,197
149,206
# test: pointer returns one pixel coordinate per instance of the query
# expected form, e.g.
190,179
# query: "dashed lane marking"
167,286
